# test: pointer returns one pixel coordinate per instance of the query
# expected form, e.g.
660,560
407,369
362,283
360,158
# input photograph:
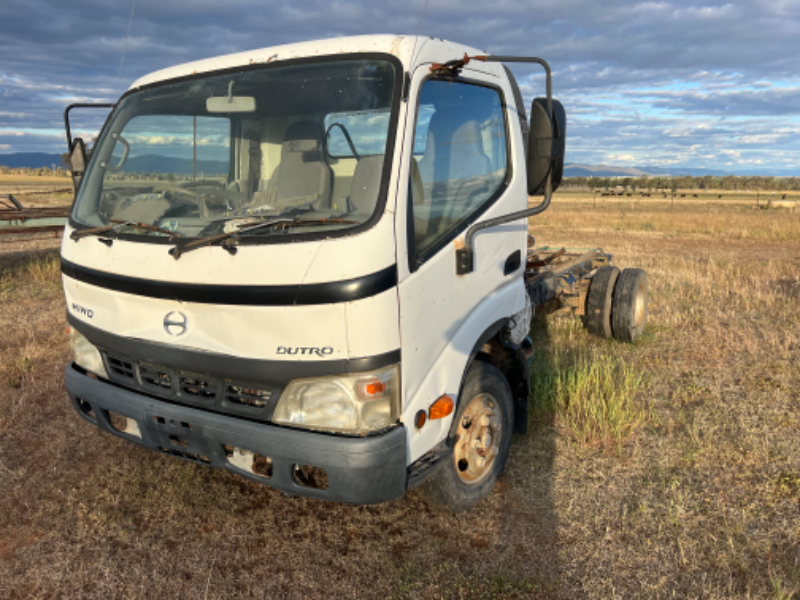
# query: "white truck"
309,265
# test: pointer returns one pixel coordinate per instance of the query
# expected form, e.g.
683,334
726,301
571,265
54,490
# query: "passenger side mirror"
546,145
77,161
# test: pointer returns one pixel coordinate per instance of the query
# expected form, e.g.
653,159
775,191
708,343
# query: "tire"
629,307
597,319
485,406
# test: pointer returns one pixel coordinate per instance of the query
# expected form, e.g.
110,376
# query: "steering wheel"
126,148
347,137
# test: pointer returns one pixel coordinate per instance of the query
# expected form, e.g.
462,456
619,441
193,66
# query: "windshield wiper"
180,249
81,233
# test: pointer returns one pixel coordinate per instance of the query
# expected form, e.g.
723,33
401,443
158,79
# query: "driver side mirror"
546,145
77,162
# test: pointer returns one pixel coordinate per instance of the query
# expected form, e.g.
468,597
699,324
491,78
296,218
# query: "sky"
712,85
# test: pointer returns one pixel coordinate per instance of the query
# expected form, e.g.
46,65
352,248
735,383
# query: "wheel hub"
479,434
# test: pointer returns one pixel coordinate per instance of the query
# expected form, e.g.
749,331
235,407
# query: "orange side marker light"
441,408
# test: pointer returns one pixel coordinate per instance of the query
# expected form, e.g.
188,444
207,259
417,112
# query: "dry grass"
700,498
32,191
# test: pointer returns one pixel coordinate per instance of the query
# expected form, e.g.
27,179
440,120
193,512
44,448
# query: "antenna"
124,48
416,37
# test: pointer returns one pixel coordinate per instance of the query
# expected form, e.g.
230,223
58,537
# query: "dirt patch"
11,541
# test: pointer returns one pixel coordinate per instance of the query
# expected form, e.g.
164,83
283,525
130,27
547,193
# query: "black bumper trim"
239,295
360,470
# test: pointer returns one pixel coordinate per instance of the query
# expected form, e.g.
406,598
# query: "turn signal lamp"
441,408
370,389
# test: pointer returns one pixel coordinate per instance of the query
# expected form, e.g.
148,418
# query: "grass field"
690,488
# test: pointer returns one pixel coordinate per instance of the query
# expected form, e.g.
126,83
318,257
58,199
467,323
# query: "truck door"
460,173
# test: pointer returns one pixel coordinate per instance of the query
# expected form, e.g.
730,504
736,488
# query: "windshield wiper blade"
81,233
180,249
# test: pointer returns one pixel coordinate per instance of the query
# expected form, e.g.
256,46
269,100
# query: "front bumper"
359,470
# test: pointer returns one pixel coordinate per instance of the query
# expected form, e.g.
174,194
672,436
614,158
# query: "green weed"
590,396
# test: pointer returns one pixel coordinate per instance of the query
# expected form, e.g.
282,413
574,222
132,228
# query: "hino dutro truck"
310,265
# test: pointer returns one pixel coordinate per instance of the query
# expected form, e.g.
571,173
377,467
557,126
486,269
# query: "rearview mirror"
77,162
231,104
546,145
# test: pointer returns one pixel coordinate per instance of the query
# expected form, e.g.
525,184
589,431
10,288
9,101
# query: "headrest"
451,132
303,136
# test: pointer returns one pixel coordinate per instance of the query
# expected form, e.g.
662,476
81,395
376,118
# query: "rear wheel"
484,425
597,319
629,306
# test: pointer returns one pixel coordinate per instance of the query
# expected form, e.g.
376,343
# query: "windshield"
220,154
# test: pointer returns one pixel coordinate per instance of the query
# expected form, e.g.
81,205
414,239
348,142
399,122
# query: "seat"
453,167
302,176
366,184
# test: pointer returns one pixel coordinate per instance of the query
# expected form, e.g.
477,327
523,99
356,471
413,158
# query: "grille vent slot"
120,367
248,396
155,377
197,386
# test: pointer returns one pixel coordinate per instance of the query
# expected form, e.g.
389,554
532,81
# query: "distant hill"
573,170
31,160
152,163
147,163
601,171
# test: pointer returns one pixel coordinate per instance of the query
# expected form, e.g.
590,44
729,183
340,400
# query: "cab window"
459,161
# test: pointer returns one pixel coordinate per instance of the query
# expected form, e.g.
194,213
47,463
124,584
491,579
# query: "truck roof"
398,45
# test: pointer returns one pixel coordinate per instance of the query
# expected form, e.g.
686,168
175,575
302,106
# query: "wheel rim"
479,434
639,305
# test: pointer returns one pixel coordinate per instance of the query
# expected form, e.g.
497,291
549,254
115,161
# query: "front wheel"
483,425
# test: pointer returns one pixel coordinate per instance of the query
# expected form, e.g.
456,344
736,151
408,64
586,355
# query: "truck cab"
264,267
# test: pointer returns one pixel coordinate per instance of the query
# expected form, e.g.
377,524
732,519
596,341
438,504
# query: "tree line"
730,183
34,172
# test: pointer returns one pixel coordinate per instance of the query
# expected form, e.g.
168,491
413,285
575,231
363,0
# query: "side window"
356,144
367,130
459,158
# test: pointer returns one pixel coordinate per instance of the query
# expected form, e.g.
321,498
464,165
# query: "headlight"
345,403
85,354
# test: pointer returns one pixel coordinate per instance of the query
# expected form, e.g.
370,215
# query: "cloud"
649,79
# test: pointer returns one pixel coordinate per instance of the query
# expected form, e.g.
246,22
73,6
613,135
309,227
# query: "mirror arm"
347,137
465,257
66,118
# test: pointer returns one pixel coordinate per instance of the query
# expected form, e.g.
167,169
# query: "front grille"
256,401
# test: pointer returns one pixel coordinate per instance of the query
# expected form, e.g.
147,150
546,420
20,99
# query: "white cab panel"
358,329
245,331
444,373
373,325
348,257
275,264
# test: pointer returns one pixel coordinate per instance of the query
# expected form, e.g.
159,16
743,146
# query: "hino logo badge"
176,323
